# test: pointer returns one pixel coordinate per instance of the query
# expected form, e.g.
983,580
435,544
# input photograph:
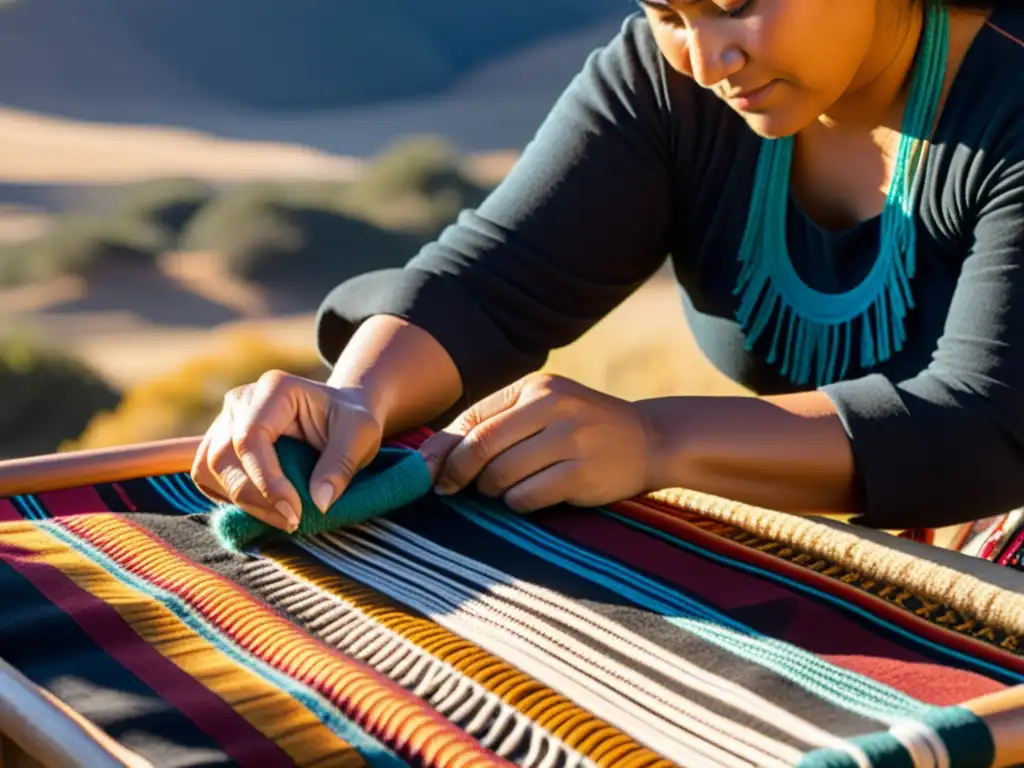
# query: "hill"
262,55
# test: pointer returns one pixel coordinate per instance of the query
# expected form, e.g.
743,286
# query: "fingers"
523,460
493,432
236,462
435,449
219,474
201,474
553,485
354,439
271,410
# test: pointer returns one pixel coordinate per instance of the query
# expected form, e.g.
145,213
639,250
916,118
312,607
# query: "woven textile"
460,634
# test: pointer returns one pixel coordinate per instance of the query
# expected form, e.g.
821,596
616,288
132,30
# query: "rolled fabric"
396,477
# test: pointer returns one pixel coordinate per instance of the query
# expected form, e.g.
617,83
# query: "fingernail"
322,496
288,514
444,489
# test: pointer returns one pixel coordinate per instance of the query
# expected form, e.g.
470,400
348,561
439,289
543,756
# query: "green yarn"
883,750
814,328
967,739
396,477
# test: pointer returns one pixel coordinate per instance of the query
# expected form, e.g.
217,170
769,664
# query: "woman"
840,189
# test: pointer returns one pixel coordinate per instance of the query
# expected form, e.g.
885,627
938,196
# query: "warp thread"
396,477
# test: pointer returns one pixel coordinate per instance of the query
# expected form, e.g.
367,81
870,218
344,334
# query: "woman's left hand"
541,441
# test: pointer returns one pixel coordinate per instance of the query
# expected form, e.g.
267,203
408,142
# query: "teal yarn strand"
813,330
395,478
965,738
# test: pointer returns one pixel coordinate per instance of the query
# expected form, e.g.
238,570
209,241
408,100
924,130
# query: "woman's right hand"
236,462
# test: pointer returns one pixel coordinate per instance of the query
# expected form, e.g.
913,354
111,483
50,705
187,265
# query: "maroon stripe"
778,611
73,501
211,714
8,511
123,494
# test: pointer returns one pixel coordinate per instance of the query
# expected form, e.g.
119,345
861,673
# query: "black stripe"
111,498
49,648
434,521
146,498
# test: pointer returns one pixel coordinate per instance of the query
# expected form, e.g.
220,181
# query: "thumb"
435,449
348,450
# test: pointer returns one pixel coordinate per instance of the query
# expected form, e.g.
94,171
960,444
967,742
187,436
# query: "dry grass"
643,349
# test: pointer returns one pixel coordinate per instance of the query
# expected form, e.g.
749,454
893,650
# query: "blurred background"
182,182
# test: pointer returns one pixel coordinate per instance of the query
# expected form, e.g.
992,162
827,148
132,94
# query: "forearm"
789,453
407,375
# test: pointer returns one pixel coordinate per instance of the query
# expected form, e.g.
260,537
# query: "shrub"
168,204
48,397
417,184
78,245
293,234
186,402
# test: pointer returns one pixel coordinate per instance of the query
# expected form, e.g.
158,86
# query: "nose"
714,56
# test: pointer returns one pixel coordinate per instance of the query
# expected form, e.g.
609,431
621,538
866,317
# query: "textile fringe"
968,594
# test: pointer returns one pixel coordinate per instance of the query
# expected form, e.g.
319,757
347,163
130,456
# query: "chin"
774,123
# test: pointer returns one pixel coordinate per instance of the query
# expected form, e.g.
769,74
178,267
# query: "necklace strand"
815,328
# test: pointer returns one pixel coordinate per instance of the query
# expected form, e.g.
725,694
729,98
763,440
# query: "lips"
752,98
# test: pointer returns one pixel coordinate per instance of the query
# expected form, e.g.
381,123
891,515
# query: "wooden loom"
37,729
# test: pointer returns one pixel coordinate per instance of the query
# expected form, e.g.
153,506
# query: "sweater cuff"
889,452
485,359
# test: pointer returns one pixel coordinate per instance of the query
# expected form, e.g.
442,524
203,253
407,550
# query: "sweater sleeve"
581,221
947,445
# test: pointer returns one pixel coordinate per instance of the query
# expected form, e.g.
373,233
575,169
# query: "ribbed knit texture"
395,478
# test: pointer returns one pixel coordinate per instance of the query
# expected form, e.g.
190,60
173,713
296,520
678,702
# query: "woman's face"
779,63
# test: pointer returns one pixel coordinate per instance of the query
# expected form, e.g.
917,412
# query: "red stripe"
370,701
111,632
73,501
666,518
779,612
1005,34
8,511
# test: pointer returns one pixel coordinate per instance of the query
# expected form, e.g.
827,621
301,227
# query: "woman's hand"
541,441
236,462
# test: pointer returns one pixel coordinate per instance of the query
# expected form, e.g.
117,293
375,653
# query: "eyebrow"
667,3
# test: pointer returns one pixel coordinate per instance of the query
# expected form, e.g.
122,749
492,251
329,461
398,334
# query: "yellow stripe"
274,713
592,737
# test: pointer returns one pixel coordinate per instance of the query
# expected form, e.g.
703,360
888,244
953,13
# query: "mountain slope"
263,54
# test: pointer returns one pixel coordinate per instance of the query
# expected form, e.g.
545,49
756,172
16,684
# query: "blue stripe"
372,750
840,687
23,509
1008,675
171,494
31,508
189,491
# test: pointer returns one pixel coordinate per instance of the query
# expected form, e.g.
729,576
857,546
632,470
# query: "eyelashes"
667,16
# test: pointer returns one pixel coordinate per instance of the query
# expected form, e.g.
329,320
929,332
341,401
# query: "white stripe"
549,670
445,688
926,747
556,648
616,636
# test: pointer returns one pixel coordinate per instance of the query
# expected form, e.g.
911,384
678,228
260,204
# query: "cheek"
820,44
672,44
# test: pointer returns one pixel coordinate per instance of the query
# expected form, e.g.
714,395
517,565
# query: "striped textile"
454,633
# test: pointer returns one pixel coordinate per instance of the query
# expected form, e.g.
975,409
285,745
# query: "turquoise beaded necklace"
815,328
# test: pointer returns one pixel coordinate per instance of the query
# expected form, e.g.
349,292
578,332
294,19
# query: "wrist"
668,436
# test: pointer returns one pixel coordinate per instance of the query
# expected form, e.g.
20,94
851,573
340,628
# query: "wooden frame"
39,731
50,472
